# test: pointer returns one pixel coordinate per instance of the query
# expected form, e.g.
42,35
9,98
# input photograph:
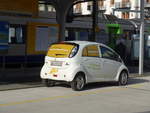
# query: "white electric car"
82,62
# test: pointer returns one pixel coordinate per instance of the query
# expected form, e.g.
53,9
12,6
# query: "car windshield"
62,50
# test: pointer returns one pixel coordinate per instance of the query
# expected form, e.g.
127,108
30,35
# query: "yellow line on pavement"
70,95
136,85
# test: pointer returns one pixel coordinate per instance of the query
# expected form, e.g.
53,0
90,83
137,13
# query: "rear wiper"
59,54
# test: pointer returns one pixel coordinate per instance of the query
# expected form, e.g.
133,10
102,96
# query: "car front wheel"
123,79
78,83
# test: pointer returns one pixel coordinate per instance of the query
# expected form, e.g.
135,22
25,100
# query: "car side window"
109,54
90,51
85,52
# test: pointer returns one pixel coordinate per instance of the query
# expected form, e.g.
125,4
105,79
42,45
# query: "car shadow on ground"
136,80
87,86
131,81
90,86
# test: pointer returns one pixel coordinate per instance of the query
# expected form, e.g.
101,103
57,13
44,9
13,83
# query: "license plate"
56,63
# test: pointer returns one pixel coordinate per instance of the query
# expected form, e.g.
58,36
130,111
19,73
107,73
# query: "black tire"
123,78
78,83
48,83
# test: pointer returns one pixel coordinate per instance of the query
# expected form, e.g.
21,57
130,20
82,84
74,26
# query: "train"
25,40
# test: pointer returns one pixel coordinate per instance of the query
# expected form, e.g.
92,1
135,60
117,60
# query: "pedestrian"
121,48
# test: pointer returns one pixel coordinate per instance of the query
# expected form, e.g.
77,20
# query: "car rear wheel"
48,83
78,83
123,78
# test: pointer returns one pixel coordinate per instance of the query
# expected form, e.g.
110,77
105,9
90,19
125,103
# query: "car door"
111,63
91,61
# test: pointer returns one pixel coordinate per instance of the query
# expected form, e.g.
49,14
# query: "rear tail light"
73,52
55,75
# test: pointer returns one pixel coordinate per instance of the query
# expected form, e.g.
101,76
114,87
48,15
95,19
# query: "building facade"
125,9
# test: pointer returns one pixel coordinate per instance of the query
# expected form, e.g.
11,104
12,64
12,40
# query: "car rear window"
61,50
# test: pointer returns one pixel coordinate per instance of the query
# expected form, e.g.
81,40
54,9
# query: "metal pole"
113,11
94,13
141,50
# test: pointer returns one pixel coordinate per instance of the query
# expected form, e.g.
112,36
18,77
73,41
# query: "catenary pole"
141,50
94,22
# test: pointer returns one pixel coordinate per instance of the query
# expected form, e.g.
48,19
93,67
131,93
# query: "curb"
137,74
16,86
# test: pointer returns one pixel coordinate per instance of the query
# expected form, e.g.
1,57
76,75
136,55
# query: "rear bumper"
59,75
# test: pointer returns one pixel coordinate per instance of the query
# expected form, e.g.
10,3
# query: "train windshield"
62,50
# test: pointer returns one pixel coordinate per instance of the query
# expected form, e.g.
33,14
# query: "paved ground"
34,81
96,98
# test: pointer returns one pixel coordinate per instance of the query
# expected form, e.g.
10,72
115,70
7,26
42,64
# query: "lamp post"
141,50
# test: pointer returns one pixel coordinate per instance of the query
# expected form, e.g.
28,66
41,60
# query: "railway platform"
11,79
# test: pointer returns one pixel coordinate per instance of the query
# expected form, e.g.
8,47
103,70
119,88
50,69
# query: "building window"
100,3
77,8
89,6
16,34
125,15
126,3
44,7
41,7
148,1
50,8
112,2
